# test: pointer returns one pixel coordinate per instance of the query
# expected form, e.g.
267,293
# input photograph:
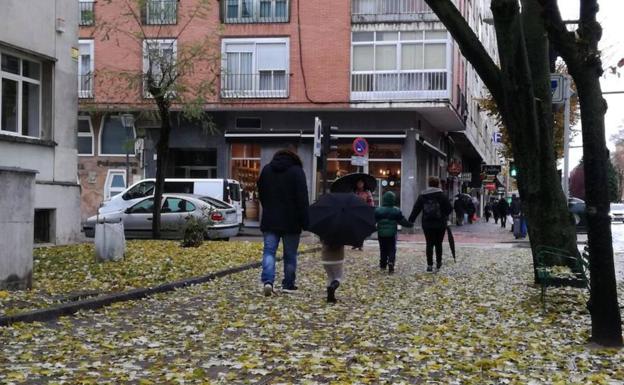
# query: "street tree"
521,88
579,49
178,72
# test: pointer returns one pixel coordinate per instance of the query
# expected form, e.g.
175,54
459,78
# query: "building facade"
38,107
384,70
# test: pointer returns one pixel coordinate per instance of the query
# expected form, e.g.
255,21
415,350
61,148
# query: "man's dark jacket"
283,194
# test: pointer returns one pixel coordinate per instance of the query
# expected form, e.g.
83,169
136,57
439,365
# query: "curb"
69,308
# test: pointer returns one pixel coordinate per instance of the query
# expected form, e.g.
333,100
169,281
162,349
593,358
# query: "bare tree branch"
469,43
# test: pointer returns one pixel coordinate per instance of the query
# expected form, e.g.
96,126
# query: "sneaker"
390,269
438,267
331,291
429,269
382,267
289,289
267,289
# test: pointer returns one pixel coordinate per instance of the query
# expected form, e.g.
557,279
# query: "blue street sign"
360,146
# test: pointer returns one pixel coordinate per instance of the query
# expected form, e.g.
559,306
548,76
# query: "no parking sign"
360,146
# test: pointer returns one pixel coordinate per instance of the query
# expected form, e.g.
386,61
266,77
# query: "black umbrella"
347,183
342,219
451,241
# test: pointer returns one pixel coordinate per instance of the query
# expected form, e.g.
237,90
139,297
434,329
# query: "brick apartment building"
385,70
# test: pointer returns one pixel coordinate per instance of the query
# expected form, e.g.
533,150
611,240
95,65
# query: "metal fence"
255,11
389,7
266,84
399,85
159,12
85,86
87,13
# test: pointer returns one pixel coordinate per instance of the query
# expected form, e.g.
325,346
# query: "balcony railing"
413,85
266,84
160,12
255,11
390,10
85,86
87,14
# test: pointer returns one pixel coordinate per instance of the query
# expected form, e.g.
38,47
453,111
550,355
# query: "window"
177,205
44,220
159,12
402,61
115,139
143,207
159,57
255,68
85,136
115,183
20,96
255,11
141,190
87,15
85,69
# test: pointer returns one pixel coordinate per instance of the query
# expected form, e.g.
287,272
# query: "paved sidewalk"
476,233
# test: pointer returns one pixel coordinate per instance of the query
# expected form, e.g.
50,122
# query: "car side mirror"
127,211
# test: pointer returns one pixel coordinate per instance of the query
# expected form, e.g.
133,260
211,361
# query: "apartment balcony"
255,11
399,86
385,11
160,12
266,84
87,14
85,86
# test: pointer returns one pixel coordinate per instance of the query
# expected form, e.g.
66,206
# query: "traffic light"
513,170
328,140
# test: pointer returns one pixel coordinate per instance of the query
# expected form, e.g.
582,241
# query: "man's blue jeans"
291,244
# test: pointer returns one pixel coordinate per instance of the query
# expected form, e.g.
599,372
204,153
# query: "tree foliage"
491,108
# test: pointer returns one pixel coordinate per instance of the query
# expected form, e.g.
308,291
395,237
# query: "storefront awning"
430,147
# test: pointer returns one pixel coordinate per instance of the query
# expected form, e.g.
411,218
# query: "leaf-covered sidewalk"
476,322
64,273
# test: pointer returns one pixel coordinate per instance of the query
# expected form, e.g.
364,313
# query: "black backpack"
432,210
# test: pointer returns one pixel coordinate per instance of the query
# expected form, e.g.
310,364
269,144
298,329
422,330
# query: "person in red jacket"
364,194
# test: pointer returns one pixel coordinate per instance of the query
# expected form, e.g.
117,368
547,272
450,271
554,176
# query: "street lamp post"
127,121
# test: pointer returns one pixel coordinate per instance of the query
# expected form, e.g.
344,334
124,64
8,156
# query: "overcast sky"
612,46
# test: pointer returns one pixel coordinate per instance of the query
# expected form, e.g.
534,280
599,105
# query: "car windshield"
617,206
215,203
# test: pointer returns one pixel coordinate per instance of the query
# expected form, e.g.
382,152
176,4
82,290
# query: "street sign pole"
566,139
317,154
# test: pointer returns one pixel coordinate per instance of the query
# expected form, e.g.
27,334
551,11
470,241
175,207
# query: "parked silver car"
176,210
617,212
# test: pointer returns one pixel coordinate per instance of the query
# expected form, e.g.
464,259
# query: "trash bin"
110,242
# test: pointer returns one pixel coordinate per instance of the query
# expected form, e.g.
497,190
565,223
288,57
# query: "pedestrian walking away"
367,196
283,193
460,209
435,208
488,211
503,210
388,217
332,258
515,209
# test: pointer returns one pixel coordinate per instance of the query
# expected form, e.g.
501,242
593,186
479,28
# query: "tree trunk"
528,117
548,205
604,308
162,155
580,52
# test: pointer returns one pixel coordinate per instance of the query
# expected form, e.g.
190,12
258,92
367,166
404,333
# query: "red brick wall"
325,41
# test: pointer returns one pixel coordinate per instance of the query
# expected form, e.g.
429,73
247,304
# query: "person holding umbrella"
339,219
435,208
283,193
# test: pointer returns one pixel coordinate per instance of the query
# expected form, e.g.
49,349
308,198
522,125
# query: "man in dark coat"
460,209
283,193
503,211
436,208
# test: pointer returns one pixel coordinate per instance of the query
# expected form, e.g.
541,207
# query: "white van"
227,190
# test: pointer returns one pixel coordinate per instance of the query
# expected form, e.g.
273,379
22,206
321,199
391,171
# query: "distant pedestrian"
388,217
361,191
488,211
503,211
283,193
470,209
515,209
460,210
436,208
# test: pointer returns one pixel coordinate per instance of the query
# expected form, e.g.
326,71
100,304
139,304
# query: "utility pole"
566,137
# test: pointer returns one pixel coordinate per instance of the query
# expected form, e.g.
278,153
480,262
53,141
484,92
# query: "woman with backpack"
435,208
